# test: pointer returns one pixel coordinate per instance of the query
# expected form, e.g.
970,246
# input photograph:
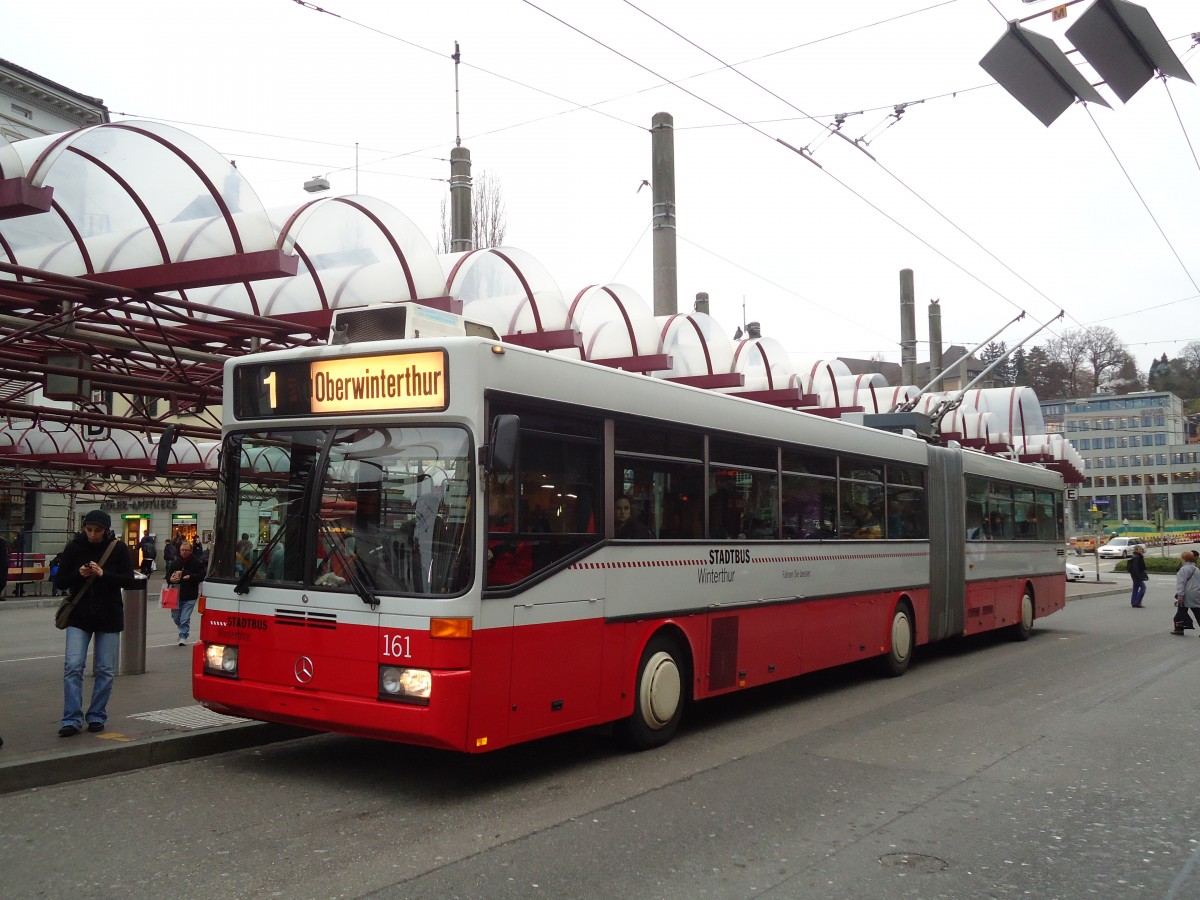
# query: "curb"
59,767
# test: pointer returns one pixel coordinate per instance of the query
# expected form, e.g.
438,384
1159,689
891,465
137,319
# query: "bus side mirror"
164,450
502,448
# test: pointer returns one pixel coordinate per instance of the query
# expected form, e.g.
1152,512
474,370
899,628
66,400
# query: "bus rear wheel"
658,700
1024,626
899,653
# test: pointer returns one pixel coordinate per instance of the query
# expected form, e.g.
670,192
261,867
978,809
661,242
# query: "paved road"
1050,768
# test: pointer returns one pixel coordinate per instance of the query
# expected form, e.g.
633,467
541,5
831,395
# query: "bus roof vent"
398,321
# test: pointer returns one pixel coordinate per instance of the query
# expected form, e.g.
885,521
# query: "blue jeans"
182,617
104,667
1139,591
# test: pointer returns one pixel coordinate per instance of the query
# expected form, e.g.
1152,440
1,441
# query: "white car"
1118,548
1074,572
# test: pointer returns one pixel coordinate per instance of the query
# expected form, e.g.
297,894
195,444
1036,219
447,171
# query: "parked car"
1074,572
1084,543
1119,548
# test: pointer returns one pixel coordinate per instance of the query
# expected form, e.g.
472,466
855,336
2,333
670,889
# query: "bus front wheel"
658,700
899,653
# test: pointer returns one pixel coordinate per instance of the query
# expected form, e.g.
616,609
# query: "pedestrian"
17,552
3,565
149,545
171,552
1137,571
98,618
242,554
185,573
1187,592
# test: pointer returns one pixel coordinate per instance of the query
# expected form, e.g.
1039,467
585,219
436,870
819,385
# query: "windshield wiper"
349,566
243,583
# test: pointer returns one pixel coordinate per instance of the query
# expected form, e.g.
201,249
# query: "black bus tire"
658,696
1024,627
901,642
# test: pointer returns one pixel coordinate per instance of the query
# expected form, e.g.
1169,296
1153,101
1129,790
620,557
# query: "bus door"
947,542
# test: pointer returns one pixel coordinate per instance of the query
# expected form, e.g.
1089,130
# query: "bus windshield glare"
386,507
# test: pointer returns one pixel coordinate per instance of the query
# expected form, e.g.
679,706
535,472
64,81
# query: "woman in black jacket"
99,616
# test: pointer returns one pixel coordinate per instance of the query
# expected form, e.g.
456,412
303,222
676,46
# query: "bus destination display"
401,382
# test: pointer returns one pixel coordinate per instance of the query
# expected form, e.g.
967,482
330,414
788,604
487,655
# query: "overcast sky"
1098,214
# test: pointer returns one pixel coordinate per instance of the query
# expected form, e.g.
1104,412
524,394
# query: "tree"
1126,378
1103,352
1181,375
488,215
1019,367
1191,358
1001,376
1048,377
1068,351
1158,369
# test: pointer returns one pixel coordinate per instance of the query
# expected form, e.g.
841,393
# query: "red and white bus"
436,559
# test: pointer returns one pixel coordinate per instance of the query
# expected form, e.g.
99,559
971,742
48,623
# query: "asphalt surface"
153,718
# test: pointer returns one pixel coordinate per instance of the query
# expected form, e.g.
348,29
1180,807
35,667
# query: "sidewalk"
152,717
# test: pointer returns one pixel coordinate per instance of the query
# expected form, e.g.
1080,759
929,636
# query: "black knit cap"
98,517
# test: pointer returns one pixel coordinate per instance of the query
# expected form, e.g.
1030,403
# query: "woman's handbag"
63,616
169,599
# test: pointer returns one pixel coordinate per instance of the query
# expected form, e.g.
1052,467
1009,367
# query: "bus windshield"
387,508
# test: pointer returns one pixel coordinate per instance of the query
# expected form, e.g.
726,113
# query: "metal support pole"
133,638
461,226
908,329
662,159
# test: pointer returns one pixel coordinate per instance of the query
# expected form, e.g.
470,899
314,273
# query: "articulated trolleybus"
460,543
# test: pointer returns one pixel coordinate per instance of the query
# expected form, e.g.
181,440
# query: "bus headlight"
221,659
411,685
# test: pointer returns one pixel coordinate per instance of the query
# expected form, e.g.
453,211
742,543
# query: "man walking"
186,572
1137,571
149,547
1187,592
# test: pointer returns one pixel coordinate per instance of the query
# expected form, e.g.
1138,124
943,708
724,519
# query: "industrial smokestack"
935,344
460,201
908,328
702,303
662,153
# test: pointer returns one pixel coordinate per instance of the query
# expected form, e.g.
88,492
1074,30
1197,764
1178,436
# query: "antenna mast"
461,226
457,128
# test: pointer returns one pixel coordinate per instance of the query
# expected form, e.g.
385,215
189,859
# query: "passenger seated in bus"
997,527
866,523
627,528
508,560
724,510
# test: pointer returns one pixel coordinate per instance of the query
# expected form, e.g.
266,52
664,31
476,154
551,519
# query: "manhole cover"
914,862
